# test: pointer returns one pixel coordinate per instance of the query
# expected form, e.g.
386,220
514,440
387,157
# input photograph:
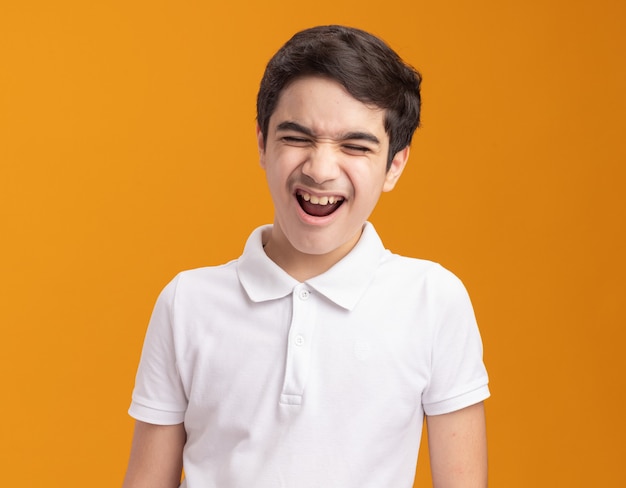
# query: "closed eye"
353,148
295,141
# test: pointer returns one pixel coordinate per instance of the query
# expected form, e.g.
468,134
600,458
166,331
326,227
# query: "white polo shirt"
317,384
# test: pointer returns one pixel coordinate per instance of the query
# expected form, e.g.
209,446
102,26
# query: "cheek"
278,181
366,180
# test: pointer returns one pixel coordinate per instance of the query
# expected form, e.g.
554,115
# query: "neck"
299,265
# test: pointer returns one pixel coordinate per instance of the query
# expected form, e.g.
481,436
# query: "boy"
311,360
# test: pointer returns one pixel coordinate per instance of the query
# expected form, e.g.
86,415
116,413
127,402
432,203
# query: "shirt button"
299,340
304,294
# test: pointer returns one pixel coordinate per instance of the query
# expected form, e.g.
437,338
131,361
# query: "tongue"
318,210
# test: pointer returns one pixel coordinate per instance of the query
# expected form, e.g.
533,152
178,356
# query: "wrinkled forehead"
325,107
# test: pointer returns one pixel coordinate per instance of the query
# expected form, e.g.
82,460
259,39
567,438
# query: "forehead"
326,107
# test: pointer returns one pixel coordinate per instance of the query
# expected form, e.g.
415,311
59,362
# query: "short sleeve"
158,396
458,375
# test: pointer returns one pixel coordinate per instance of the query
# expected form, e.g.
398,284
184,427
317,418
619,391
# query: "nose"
322,164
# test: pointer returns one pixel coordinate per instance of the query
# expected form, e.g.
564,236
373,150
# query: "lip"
301,189
317,220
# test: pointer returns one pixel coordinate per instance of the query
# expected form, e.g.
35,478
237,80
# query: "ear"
260,145
395,170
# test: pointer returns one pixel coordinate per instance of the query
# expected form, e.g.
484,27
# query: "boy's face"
325,160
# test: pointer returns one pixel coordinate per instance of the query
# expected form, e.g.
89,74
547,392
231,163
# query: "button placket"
298,346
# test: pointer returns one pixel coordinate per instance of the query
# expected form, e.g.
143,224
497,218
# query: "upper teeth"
307,197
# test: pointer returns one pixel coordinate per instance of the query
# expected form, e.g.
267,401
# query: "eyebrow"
356,135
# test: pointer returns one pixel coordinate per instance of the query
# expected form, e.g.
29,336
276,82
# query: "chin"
321,245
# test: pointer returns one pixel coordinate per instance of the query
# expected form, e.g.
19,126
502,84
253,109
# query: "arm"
458,448
156,456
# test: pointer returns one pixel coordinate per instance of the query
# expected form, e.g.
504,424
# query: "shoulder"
424,285
420,271
199,282
206,275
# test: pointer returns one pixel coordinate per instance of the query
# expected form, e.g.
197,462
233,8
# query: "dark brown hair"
364,64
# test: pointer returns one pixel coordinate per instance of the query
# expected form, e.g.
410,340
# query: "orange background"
127,153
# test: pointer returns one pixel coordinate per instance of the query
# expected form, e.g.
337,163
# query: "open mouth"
318,206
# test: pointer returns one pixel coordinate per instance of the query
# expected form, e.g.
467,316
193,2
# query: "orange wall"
127,153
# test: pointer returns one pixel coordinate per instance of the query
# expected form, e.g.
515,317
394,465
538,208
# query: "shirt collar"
343,284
